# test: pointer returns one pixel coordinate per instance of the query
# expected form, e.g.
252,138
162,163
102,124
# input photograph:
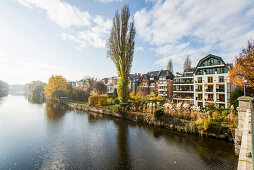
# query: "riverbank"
168,122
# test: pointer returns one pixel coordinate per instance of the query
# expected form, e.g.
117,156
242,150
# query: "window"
199,79
210,79
144,84
210,96
200,96
199,88
162,78
221,79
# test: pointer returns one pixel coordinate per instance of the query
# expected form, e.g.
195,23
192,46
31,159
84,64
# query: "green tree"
238,92
121,49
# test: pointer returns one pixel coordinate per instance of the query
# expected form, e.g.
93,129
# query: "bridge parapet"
244,134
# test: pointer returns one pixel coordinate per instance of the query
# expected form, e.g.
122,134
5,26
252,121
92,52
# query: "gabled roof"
166,73
207,57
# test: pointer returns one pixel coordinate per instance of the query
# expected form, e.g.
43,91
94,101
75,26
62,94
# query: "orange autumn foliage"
56,86
244,68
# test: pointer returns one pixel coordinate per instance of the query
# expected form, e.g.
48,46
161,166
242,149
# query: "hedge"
101,100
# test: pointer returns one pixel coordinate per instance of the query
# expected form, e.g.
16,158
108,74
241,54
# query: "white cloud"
62,13
196,28
94,29
106,1
139,49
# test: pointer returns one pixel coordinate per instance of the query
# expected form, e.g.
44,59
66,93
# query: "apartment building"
158,82
209,83
183,87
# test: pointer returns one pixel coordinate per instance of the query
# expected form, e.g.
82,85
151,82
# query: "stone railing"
243,134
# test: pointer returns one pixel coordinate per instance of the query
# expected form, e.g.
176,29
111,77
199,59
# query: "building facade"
183,87
207,83
158,82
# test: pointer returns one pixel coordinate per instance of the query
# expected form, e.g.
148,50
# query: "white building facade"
211,83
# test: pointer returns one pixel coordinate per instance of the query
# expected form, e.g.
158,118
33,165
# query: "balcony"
209,99
163,85
161,94
162,89
220,100
209,90
220,90
199,90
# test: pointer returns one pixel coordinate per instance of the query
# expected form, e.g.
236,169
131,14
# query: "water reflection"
123,161
50,136
55,111
212,152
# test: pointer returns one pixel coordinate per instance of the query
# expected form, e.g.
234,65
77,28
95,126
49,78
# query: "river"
50,136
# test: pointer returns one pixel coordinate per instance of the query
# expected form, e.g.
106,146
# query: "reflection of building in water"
55,110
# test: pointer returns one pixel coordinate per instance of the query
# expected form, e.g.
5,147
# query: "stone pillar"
245,103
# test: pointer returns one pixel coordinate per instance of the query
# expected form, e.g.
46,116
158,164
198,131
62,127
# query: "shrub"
116,101
158,113
110,101
225,112
93,100
159,97
101,100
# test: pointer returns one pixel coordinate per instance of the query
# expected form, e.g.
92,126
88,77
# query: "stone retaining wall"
164,121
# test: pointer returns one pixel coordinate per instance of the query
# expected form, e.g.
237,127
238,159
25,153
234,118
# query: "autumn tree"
89,83
36,91
170,65
244,68
187,63
56,87
121,49
100,87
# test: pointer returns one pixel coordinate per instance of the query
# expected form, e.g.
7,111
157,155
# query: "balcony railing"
191,82
209,99
220,100
209,90
162,85
199,90
162,89
220,90
182,90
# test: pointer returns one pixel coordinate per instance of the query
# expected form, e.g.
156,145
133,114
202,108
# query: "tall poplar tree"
170,65
187,63
121,49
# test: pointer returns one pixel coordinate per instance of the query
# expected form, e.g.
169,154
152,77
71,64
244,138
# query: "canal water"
49,136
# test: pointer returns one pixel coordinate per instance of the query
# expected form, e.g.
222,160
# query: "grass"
84,103
110,107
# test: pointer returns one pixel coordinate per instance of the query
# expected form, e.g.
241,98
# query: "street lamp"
244,81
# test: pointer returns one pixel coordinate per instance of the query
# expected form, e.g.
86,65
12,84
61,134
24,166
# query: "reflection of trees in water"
123,158
55,110
95,117
212,152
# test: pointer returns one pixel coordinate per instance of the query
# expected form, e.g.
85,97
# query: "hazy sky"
39,38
